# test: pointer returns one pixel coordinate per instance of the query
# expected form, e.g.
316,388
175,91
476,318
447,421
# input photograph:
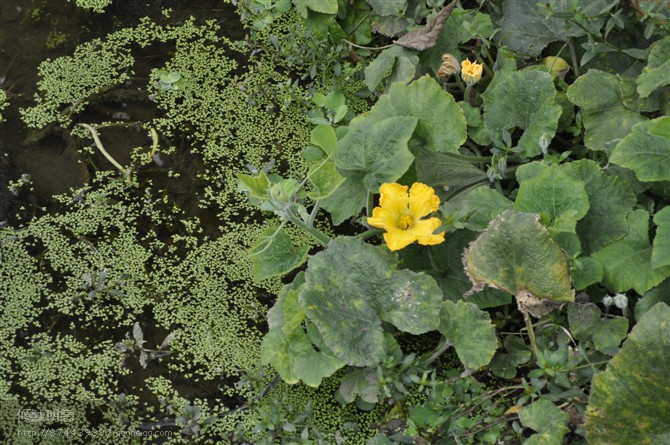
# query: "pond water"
35,30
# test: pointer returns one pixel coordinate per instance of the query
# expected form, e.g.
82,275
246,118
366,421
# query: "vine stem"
531,333
98,143
573,56
439,351
316,233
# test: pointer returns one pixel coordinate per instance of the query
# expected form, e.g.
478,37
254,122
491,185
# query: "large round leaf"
441,124
516,253
627,262
523,99
471,332
646,150
606,120
630,401
351,287
288,348
559,198
375,151
610,200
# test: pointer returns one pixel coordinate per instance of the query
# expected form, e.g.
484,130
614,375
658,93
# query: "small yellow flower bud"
471,72
449,66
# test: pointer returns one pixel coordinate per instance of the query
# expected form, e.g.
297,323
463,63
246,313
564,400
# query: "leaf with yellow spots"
630,401
352,287
516,254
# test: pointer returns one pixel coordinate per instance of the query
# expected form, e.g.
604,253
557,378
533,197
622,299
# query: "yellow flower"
471,71
400,215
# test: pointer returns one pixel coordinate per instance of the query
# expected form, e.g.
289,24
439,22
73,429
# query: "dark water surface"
34,30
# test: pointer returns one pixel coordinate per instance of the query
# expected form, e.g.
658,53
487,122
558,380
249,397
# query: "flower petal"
422,200
383,219
423,231
397,239
394,198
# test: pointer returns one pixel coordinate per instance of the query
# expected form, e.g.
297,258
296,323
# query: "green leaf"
288,349
256,186
325,179
345,201
523,99
661,293
586,271
356,24
630,401
659,100
361,383
425,100
324,136
583,320
387,7
550,422
587,325
657,72
351,287
606,119
526,29
380,68
375,151
383,65
441,171
609,334
660,254
471,332
610,201
273,254
561,200
516,253
322,6
627,262
646,150
482,205
505,365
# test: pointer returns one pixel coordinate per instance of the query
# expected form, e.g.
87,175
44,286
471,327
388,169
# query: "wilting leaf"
516,253
425,37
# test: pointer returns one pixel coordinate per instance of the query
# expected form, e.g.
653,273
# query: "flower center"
404,221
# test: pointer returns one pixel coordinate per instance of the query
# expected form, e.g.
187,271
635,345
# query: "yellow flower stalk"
400,213
471,72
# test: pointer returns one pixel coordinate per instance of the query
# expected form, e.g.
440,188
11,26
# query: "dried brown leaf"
426,37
